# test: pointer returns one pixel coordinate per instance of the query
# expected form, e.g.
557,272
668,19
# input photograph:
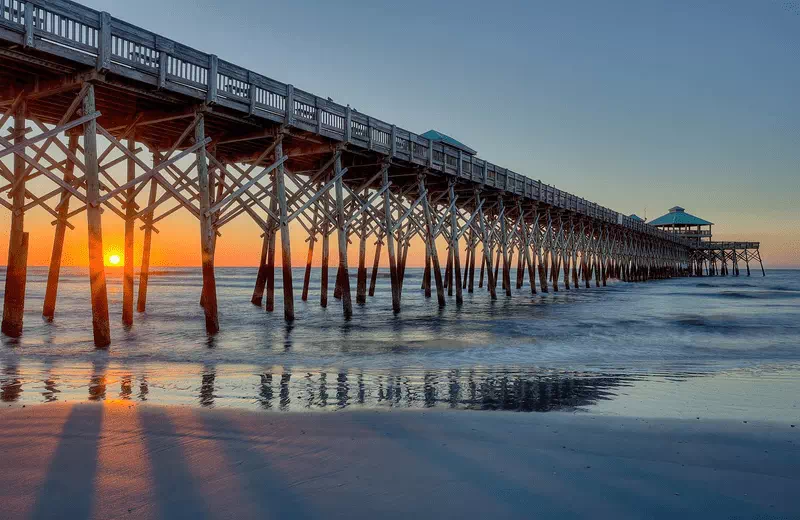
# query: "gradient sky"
637,105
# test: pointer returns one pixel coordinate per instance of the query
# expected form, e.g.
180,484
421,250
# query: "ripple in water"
574,350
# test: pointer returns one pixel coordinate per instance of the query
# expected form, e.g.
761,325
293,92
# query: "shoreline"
763,392
121,459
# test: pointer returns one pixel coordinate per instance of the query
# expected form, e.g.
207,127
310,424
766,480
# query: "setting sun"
114,260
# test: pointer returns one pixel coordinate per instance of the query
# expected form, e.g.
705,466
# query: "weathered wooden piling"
466,266
487,252
389,232
430,242
483,267
54,271
376,261
147,242
325,267
347,304
16,270
286,243
448,272
206,233
473,246
454,246
312,238
261,277
269,306
361,276
97,274
127,256
426,274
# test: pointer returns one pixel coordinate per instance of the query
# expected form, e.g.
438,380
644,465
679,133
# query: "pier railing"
729,245
80,34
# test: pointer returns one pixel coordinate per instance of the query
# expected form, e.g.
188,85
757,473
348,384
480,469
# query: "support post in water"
17,270
54,272
344,275
286,245
472,250
325,268
206,232
271,230
261,277
130,220
376,261
144,272
389,231
454,245
361,283
312,237
97,273
430,241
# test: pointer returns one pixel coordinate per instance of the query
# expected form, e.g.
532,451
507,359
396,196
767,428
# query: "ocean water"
712,347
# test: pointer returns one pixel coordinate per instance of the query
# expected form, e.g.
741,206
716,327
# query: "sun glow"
114,260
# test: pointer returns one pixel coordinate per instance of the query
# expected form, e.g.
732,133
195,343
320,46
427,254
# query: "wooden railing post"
28,40
211,87
289,115
104,42
348,124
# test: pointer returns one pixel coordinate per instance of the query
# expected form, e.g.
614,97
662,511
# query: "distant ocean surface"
712,347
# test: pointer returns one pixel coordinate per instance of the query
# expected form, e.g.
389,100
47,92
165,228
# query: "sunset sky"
638,106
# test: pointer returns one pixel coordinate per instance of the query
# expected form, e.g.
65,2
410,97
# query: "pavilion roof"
435,135
677,216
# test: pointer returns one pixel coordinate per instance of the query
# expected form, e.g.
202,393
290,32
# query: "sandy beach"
122,460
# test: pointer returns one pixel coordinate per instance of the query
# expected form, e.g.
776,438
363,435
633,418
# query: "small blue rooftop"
677,216
434,135
636,217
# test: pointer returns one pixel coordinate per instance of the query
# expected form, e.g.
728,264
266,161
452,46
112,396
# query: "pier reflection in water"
303,389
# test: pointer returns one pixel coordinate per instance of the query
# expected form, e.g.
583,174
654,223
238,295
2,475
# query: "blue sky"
637,104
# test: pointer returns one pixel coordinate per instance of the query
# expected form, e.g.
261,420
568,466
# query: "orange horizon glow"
178,245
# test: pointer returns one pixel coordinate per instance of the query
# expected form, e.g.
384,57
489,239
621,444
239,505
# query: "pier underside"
123,123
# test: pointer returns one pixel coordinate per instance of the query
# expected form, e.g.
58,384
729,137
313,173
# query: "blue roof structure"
433,135
677,216
636,217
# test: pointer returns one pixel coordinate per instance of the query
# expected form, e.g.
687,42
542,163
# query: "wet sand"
121,460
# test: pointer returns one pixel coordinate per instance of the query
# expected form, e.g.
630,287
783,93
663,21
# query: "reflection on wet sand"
284,389
207,388
125,388
10,384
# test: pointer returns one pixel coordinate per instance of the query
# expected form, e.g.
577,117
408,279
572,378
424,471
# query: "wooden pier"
84,92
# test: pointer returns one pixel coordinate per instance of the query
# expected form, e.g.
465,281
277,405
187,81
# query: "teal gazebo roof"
677,216
433,135
636,217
